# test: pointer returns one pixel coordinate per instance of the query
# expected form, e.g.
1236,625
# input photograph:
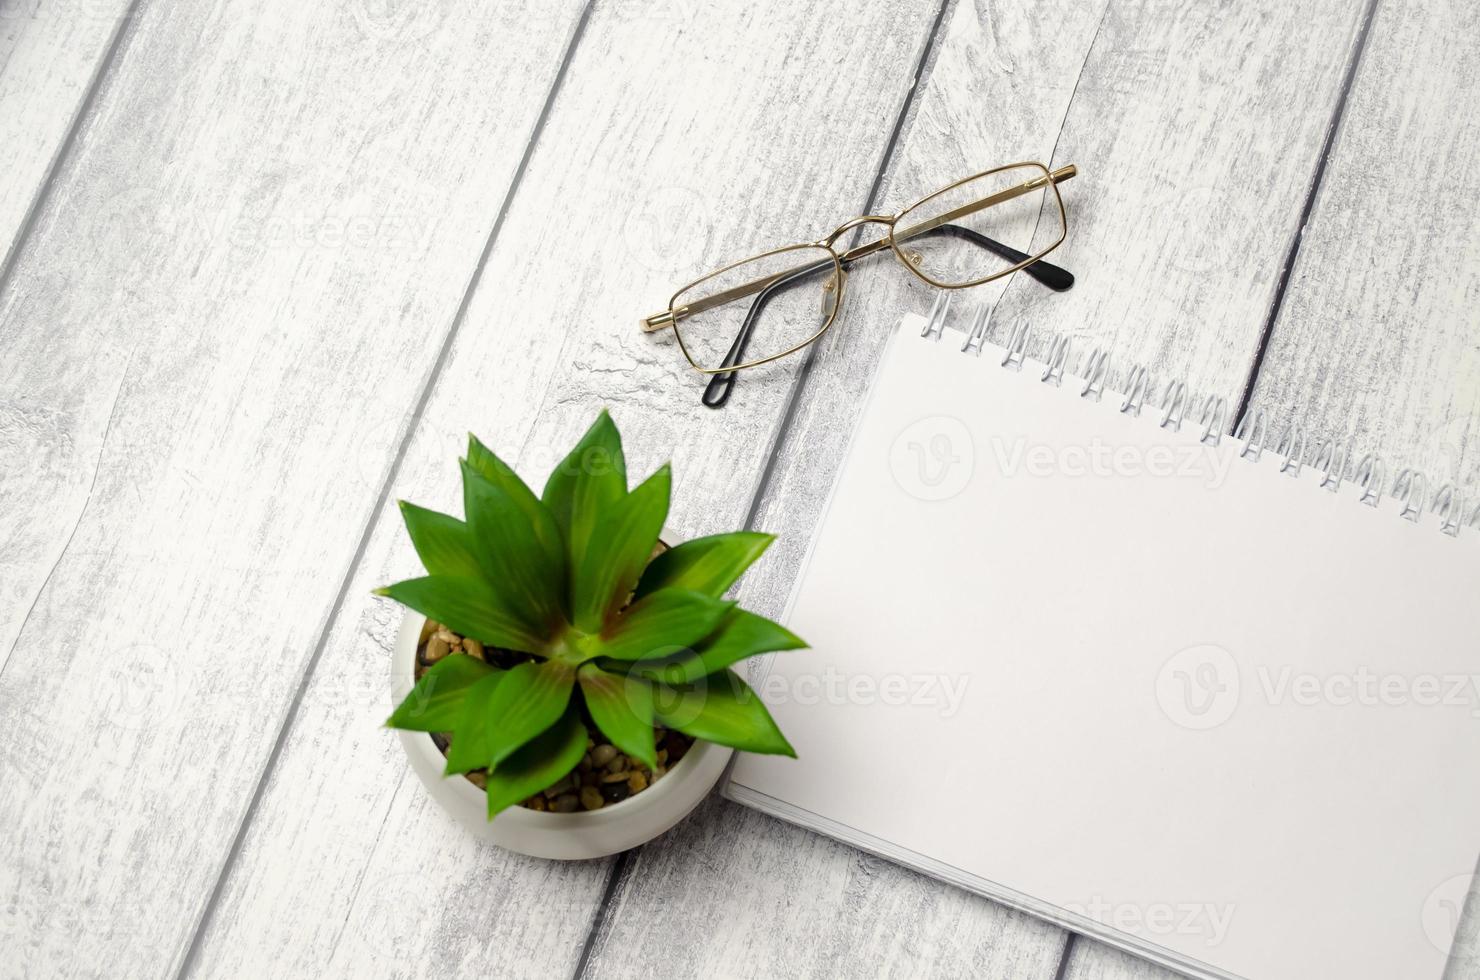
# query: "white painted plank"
227,308
1377,345
997,92
757,898
1379,336
681,134
49,53
1196,129
1089,960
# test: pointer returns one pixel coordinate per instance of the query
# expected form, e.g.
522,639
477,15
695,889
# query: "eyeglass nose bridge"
851,223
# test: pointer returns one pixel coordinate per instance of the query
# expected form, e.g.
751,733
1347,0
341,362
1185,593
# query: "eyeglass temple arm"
717,392
664,319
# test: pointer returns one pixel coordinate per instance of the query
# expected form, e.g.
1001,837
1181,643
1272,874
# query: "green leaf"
468,606
443,543
530,700
622,708
721,709
709,565
547,758
517,545
584,488
469,749
436,703
664,621
741,634
618,552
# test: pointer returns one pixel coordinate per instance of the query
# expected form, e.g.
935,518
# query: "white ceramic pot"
586,834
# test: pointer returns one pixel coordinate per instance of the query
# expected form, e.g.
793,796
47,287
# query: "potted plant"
564,679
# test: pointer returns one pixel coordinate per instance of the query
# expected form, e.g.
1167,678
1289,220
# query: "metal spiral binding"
1175,402
1331,458
1058,356
1137,384
1211,418
1369,478
976,337
1292,447
1093,369
1017,348
1449,505
935,321
1408,487
1258,431
1331,461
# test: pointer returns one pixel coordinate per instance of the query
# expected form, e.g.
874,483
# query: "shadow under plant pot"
594,833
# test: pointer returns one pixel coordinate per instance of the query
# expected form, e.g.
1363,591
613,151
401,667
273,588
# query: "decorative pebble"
568,784
448,637
473,647
478,779
617,764
567,803
437,648
637,782
602,755
427,629
585,764
615,777
591,798
536,803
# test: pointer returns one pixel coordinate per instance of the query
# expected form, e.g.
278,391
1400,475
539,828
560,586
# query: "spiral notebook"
1212,700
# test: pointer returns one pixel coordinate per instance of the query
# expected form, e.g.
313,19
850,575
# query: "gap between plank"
804,373
617,876
1065,956
1296,240
192,952
84,111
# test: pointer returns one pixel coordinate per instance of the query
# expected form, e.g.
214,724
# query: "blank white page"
1203,709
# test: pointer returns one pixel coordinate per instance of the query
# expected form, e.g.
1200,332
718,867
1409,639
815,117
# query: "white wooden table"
267,261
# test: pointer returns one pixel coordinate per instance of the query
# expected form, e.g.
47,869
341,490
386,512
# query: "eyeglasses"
969,233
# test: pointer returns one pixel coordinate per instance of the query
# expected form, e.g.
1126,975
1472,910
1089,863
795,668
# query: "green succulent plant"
607,628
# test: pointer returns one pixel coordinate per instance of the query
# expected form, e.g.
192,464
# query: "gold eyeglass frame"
1050,178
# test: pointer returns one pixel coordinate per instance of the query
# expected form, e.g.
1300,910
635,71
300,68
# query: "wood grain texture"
225,311
1089,960
1196,128
1145,139
729,147
758,898
1377,345
50,51
1021,63
1378,340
